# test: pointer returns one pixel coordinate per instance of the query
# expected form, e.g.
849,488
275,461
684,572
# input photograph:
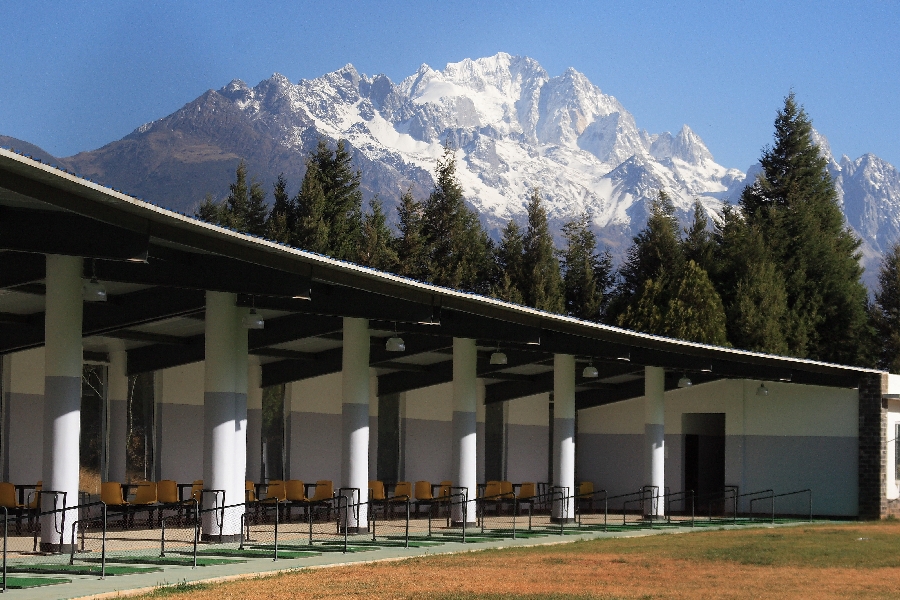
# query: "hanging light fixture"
498,358
93,290
590,371
395,343
254,320
762,390
684,382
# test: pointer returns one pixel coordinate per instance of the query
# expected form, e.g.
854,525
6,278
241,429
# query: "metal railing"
772,496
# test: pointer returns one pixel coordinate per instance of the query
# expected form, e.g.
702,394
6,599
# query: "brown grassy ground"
853,560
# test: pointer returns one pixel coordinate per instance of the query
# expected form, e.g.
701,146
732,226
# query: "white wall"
314,420
179,412
23,422
796,437
527,438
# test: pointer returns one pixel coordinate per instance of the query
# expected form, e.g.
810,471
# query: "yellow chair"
444,495
294,493
249,491
197,490
586,495
111,495
377,496
167,491
424,496
506,490
275,491
9,500
527,491
402,493
493,495
324,491
145,498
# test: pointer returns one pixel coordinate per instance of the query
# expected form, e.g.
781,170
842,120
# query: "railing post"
309,513
241,545
277,510
515,510
162,537
407,522
103,545
5,536
347,520
196,529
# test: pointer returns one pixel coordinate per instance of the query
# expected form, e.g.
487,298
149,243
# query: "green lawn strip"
413,543
316,548
850,545
165,560
20,583
255,552
79,569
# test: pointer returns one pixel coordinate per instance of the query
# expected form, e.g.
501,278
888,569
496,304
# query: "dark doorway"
494,445
704,453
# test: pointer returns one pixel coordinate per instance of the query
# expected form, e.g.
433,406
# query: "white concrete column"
62,394
254,420
220,414
465,395
654,434
117,397
564,433
355,416
241,389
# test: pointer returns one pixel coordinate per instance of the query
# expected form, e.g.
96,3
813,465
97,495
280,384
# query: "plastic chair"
402,493
586,494
377,496
444,495
145,497
493,495
9,500
294,493
527,494
422,495
249,491
111,495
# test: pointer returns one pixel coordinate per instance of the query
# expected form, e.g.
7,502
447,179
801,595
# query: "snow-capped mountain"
513,126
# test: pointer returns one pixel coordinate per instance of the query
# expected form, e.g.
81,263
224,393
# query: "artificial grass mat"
166,560
256,552
313,549
79,569
21,583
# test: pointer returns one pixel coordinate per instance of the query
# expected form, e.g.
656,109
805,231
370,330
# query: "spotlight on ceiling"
684,382
93,291
762,390
254,320
590,372
395,344
498,358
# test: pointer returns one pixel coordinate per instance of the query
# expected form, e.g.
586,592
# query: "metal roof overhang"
157,264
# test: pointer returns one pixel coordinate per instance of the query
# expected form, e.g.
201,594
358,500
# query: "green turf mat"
326,547
255,552
395,543
20,583
165,560
79,569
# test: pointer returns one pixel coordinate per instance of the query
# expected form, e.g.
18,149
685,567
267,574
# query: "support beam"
465,396
355,418
654,437
564,435
18,268
62,398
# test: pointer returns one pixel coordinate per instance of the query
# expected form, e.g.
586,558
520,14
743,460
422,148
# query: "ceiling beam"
144,336
69,234
175,268
18,268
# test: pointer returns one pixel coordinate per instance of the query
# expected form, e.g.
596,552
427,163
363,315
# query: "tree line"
778,272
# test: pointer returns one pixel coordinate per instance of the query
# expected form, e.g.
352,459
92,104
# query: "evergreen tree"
244,209
543,287
342,209
236,206
586,272
794,205
410,244
311,229
209,211
457,249
655,252
376,242
257,210
698,244
281,221
886,311
683,305
509,268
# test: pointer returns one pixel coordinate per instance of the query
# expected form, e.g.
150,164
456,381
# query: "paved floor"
117,586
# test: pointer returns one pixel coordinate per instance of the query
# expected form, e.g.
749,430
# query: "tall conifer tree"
376,242
311,231
886,311
586,273
509,269
342,208
410,243
794,205
281,221
543,287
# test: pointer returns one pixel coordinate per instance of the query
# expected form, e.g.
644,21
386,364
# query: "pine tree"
311,230
234,210
586,272
376,242
282,218
886,311
410,244
342,210
209,211
257,210
244,209
543,287
794,205
698,244
509,278
655,252
457,249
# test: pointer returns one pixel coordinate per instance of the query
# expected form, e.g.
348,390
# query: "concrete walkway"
85,587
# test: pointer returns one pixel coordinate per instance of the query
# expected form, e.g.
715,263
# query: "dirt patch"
622,568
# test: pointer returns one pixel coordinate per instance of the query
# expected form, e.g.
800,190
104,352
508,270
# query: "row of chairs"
29,509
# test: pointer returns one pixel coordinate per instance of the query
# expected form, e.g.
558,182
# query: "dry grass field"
858,560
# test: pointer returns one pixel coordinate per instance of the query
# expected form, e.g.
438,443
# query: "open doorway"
704,453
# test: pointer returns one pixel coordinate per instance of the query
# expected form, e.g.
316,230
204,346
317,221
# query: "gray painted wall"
428,450
613,462
254,444
24,441
180,441
315,447
526,458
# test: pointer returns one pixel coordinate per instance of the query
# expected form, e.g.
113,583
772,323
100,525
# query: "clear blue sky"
76,75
